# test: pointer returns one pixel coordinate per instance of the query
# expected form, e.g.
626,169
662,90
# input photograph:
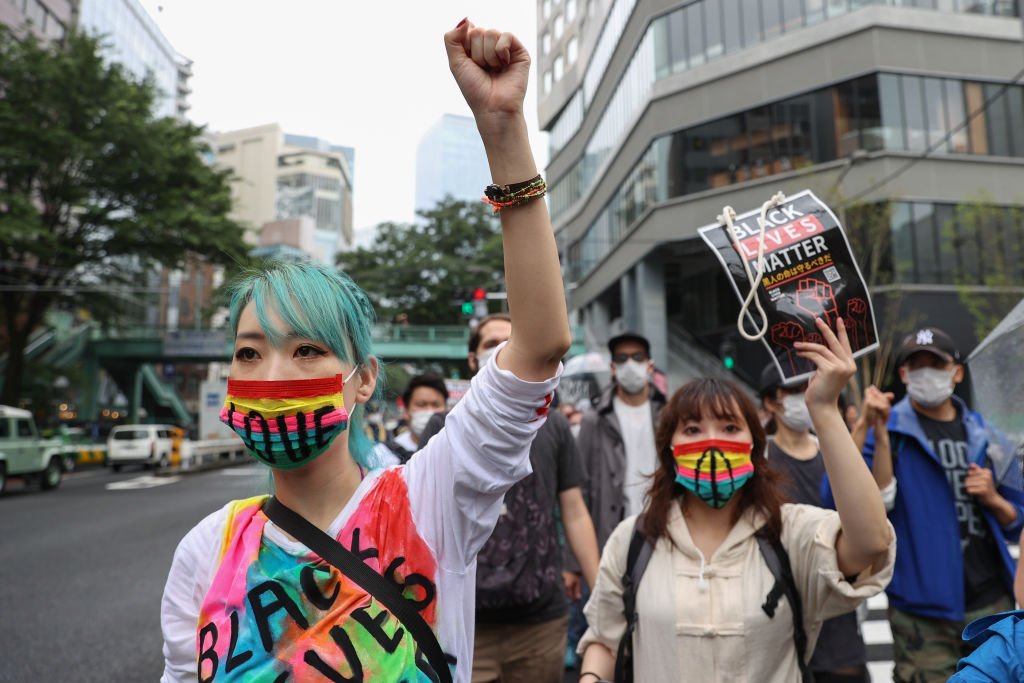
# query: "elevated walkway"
128,355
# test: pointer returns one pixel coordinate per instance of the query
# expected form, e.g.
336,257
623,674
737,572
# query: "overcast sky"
369,75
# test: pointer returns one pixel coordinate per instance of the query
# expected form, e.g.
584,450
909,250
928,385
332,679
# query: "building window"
772,17
570,10
546,8
572,51
547,82
557,68
54,29
695,33
559,26
713,29
36,13
545,43
732,11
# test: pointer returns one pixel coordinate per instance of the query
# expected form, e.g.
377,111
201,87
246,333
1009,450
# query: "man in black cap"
956,505
616,439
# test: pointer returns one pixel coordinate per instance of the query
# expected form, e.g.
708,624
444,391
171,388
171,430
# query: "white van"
147,445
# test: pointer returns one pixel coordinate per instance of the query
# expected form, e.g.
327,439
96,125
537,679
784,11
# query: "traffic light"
472,302
727,352
480,302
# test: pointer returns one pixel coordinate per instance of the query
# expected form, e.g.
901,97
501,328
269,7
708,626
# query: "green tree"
986,241
94,191
422,270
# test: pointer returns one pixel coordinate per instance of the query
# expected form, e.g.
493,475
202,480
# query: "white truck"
24,454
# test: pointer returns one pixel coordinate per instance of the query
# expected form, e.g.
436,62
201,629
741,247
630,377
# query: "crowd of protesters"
696,536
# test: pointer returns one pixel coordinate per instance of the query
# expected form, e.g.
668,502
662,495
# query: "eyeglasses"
620,358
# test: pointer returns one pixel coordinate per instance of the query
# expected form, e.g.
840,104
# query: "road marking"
147,481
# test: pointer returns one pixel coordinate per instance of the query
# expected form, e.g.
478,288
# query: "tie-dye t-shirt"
244,602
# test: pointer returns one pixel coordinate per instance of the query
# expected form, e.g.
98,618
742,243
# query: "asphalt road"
82,569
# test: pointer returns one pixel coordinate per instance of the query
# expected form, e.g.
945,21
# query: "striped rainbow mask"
286,423
712,469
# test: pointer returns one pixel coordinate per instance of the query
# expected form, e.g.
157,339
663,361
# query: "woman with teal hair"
245,598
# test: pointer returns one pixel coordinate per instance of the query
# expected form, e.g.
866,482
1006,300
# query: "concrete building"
280,176
671,110
47,19
450,160
135,41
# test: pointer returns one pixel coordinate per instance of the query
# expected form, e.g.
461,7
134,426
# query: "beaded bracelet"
505,196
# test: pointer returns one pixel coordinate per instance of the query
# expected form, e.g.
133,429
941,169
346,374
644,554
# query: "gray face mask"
631,376
930,387
795,414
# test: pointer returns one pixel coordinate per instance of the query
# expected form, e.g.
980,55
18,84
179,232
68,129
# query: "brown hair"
474,337
720,399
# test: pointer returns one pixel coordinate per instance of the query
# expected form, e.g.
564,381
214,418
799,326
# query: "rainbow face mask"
714,470
286,423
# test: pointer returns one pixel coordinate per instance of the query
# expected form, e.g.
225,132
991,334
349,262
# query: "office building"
450,161
134,41
669,111
279,176
47,19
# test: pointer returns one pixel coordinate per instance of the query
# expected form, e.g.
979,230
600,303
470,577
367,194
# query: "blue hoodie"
999,639
928,579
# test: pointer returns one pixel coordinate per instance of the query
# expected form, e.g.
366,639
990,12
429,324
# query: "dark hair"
719,398
474,337
431,380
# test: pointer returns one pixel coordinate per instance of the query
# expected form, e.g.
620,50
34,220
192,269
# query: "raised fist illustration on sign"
784,335
815,297
857,323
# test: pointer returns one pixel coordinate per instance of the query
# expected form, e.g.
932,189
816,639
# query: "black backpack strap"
777,559
639,554
373,583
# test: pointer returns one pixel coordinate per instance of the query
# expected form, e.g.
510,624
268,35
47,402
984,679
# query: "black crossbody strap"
637,557
777,559
373,583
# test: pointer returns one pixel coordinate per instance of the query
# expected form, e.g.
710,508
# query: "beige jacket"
702,621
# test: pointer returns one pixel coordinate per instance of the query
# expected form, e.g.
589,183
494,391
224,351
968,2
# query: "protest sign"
809,272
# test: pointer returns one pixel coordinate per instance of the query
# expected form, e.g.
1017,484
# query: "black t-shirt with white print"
982,582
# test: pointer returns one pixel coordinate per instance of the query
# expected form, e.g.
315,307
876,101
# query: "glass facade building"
876,112
902,114
133,40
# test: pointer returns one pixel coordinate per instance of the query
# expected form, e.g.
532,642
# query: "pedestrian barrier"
91,455
177,436
209,453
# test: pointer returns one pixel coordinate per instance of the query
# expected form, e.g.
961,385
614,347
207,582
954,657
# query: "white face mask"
483,356
631,376
418,420
930,387
794,413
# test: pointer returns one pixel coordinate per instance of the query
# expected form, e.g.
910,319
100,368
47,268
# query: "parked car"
144,444
74,440
24,454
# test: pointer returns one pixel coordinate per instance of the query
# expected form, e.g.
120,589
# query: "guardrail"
203,454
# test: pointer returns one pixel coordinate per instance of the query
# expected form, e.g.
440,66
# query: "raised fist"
785,335
491,69
815,297
857,316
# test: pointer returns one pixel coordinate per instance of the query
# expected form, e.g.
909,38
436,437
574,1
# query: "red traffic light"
479,293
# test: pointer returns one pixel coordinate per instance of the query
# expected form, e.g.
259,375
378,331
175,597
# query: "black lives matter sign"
809,272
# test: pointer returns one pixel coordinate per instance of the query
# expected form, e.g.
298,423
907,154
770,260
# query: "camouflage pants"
927,650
